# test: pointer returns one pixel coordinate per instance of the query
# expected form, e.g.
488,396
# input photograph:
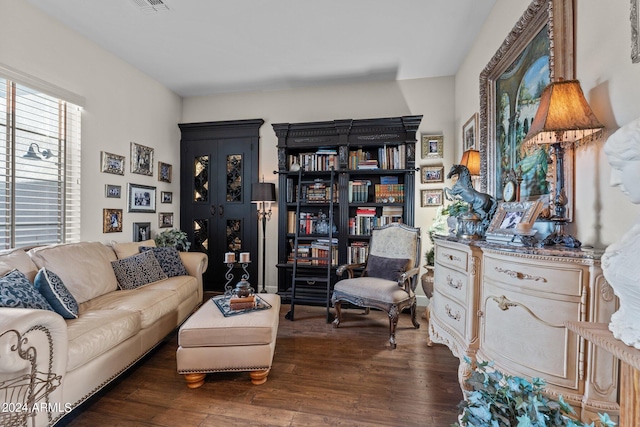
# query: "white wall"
433,98
611,84
121,105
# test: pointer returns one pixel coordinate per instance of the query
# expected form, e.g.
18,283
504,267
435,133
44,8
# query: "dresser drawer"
450,313
452,283
452,257
541,275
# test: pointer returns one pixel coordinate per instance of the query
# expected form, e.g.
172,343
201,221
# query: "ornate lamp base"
560,237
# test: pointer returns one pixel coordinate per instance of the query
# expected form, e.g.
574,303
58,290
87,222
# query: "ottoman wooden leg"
194,380
259,377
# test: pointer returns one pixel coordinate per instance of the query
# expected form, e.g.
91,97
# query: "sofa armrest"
33,349
196,264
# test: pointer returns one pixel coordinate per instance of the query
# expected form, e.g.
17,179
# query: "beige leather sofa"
114,329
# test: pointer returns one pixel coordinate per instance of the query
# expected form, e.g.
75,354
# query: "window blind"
39,168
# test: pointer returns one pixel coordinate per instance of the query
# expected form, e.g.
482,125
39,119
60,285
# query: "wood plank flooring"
321,376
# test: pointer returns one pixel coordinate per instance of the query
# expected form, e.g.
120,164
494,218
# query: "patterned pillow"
56,293
169,259
137,270
386,268
18,292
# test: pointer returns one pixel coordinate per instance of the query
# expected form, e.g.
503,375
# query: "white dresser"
509,305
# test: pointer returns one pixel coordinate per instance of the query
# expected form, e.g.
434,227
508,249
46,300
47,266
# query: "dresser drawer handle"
521,276
451,257
450,313
457,285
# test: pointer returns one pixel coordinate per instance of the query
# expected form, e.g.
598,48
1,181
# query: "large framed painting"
537,51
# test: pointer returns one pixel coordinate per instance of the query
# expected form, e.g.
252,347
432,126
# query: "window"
39,168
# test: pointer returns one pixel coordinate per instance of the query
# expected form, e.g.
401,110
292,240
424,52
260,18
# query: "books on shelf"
358,191
357,252
321,160
315,253
388,157
389,193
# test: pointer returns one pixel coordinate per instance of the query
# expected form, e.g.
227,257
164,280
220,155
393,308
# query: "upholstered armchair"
389,279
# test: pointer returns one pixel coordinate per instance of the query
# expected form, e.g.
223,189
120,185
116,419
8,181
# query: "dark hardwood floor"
320,376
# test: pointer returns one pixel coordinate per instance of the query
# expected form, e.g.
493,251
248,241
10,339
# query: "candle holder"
228,289
229,276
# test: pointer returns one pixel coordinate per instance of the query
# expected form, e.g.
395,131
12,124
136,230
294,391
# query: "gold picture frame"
111,220
165,219
141,159
431,198
470,133
432,146
509,215
431,174
111,163
544,21
164,172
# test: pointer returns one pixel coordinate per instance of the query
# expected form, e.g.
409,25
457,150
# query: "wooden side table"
600,335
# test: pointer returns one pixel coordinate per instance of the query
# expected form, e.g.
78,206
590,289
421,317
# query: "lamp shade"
563,115
471,159
263,192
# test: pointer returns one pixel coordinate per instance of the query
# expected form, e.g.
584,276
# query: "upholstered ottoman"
210,342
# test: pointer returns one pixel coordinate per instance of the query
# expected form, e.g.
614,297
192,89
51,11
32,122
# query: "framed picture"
111,163
166,197
509,214
164,172
141,231
165,219
635,39
111,220
429,174
431,198
141,159
538,50
470,133
142,198
432,146
112,191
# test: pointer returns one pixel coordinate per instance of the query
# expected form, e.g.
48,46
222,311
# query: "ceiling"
203,47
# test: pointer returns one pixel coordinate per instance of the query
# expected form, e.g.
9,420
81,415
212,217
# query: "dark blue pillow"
17,291
169,259
56,294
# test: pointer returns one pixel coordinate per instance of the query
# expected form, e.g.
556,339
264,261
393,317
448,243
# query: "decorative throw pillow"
137,270
56,293
386,268
169,259
17,291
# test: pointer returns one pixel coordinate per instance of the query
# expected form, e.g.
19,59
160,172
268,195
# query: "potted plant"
173,238
500,400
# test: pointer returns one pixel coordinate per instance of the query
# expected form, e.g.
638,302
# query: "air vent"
150,6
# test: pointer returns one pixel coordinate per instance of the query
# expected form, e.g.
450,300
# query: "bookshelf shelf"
374,161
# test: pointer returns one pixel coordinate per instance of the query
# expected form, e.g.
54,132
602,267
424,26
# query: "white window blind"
39,168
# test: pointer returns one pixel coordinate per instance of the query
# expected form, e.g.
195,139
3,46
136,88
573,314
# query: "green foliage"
174,238
456,208
500,400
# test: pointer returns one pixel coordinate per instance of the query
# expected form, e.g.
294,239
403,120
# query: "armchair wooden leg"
337,305
413,315
393,322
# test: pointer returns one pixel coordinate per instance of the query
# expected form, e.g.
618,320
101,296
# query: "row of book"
321,160
359,191
389,193
357,252
318,252
309,223
389,157
311,193
366,219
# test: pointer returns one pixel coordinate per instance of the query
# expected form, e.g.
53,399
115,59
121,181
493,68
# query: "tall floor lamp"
563,118
263,194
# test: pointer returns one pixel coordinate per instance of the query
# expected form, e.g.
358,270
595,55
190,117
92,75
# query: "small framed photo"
470,133
165,219
112,191
166,197
111,220
429,174
164,172
111,163
141,231
430,198
432,146
141,159
509,215
142,198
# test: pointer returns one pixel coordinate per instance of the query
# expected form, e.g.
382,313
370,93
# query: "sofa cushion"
373,288
17,259
17,291
137,270
169,259
56,293
85,268
150,304
97,331
127,249
184,286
